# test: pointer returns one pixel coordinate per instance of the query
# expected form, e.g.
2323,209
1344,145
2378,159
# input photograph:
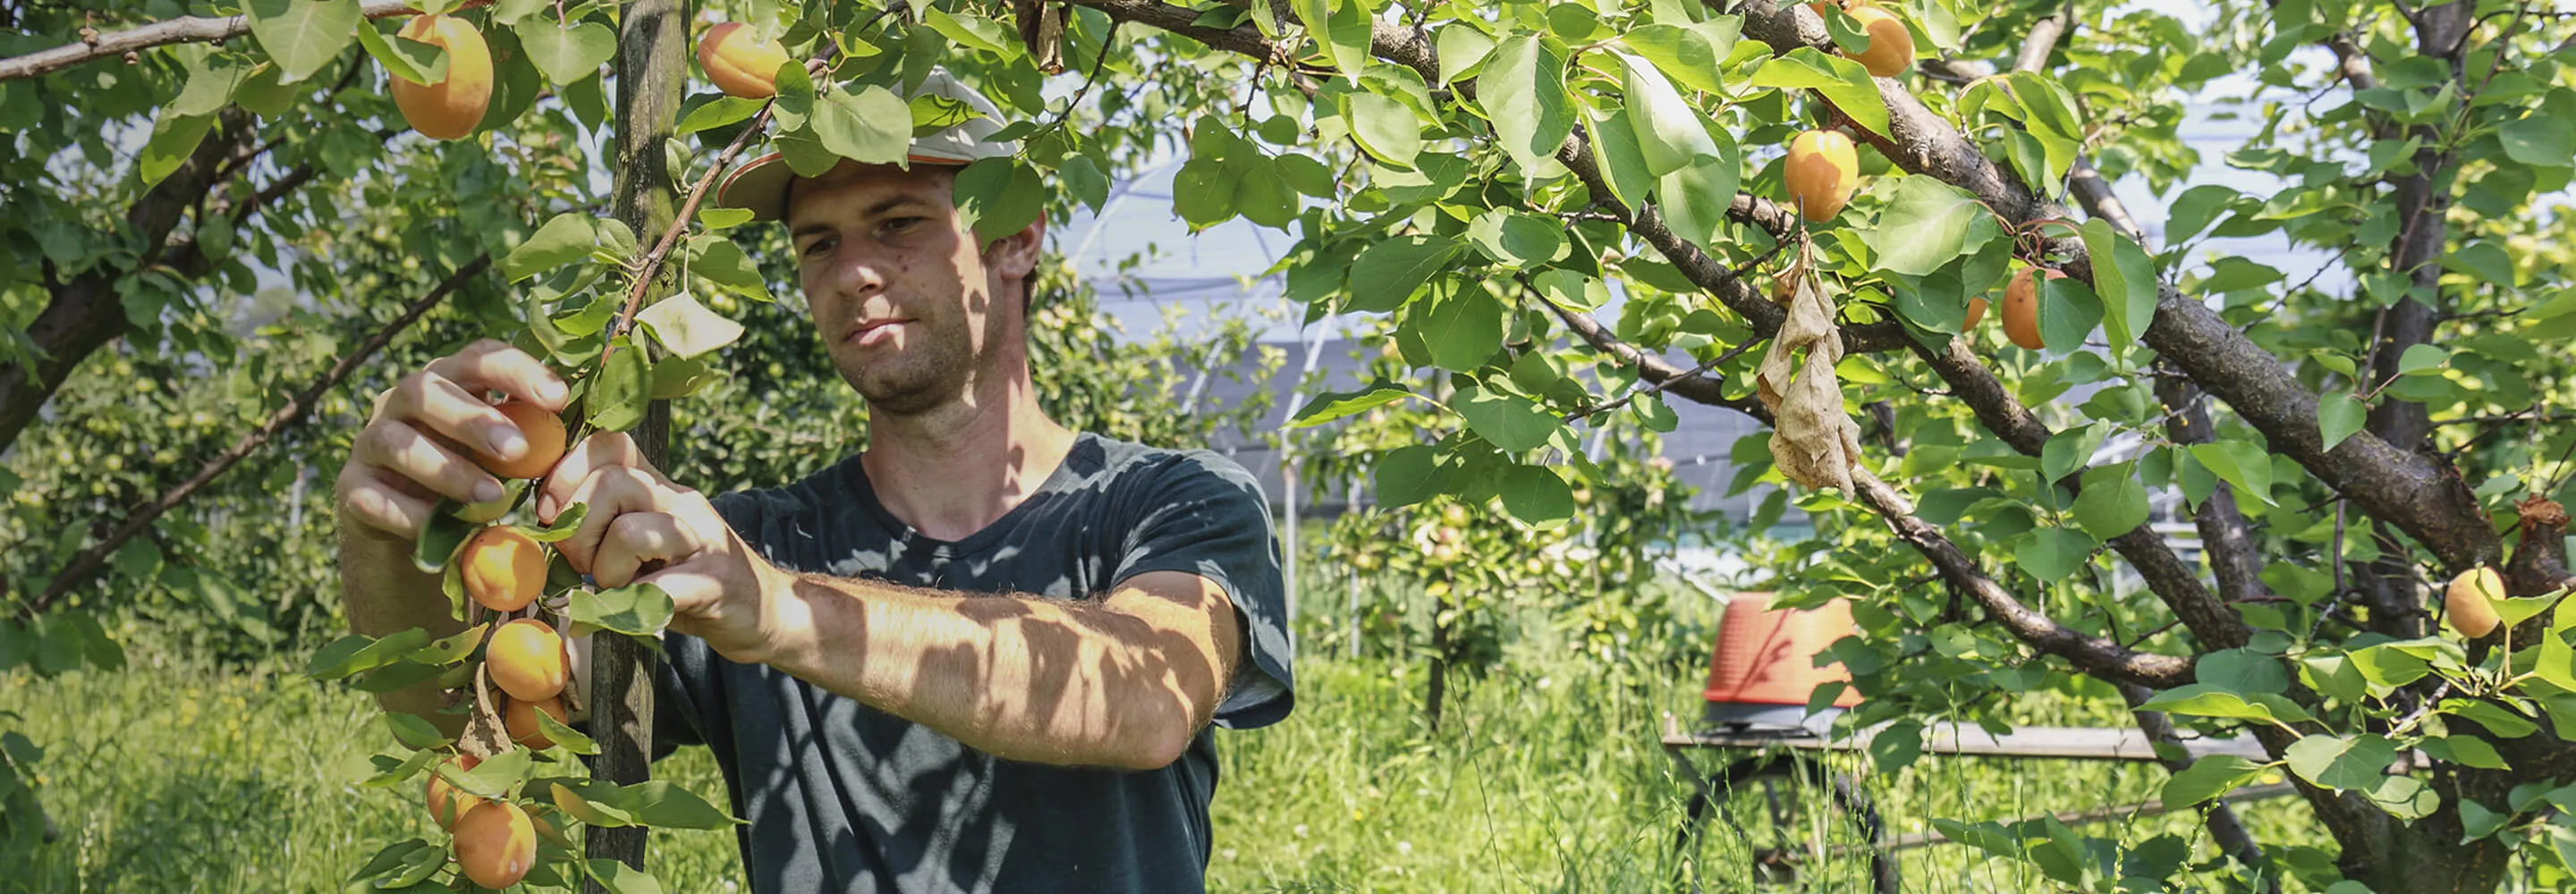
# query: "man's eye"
818,246
899,224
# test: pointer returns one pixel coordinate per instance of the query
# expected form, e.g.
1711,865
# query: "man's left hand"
641,528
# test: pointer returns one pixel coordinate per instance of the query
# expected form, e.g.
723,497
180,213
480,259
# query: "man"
981,654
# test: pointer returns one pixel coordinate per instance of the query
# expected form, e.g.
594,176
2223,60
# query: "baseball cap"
761,183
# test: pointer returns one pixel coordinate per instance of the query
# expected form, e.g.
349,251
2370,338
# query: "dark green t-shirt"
843,797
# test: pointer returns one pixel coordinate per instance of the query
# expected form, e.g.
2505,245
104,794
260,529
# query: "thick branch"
185,29
2416,493
84,313
90,560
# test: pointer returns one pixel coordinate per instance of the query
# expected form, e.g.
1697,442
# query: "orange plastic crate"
1766,656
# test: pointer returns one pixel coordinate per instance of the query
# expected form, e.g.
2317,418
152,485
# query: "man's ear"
1015,256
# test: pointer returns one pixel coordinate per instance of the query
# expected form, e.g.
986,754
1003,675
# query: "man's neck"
958,468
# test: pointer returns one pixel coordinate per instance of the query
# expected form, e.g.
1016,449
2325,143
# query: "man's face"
911,313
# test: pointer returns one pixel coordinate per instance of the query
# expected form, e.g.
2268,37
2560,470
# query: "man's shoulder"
1126,463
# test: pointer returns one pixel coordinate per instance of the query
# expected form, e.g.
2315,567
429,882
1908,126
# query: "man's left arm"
1126,680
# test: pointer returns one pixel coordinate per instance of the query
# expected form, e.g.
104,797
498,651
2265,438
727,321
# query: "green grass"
176,777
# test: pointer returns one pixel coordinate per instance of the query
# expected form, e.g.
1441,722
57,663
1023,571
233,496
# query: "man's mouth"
872,333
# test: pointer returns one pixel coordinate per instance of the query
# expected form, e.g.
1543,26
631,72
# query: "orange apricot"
1976,314
496,845
527,660
446,803
545,433
1821,172
2021,308
521,720
2469,603
454,106
505,569
741,64
1891,47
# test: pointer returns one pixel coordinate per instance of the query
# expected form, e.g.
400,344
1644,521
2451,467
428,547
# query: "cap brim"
760,184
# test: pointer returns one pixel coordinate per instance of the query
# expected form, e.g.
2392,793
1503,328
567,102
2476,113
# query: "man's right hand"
420,442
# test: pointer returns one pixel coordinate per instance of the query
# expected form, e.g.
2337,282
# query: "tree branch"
185,29
90,560
2418,494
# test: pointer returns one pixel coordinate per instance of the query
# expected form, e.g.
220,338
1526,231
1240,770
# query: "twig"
1692,373
185,29
652,263
90,560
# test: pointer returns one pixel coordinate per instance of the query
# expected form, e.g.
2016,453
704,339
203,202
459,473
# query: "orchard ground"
179,776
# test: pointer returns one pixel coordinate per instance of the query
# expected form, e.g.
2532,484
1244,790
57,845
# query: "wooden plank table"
2054,742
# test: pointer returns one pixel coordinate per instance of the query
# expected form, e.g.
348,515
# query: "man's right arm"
408,457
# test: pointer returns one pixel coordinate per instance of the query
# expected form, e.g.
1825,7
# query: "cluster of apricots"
739,61
504,570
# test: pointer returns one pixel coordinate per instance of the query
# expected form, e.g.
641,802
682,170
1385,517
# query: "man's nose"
857,273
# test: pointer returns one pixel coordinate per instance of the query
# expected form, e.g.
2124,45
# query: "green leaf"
173,140
1897,745
661,804
2477,822
2125,279
686,328
999,197
1082,178
2339,416
721,111
1924,226
403,57
450,649
367,656
1669,131
1509,422
1841,81
567,238
718,260
2209,777
1538,496
619,396
2541,140
1409,475
441,537
871,126
2206,700
2113,502
619,878
2051,554
1461,47
564,737
2242,670
211,82
2244,464
1523,93
1333,405
1513,237
1622,161
972,31
1462,324
640,610
2468,750
1694,199
1386,274
1691,55
2359,763
413,731
1384,127
303,35
565,54
2068,311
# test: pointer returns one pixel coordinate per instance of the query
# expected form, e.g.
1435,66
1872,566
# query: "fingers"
604,450
636,538
611,492
496,366
393,447
429,403
380,504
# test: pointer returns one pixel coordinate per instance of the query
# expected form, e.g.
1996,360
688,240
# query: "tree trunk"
652,35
